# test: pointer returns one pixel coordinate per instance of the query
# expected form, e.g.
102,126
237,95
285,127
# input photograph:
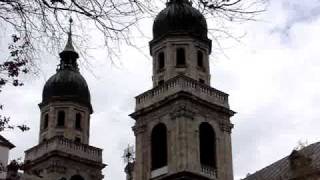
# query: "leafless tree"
35,25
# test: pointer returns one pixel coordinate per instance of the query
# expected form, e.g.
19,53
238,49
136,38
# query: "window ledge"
44,129
161,70
181,66
160,171
201,68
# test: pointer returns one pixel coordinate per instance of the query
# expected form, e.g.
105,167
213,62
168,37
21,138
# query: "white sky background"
272,76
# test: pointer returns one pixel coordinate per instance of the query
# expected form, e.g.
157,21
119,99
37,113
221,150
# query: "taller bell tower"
183,128
63,151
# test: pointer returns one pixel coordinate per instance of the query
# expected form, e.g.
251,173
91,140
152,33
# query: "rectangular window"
78,121
181,57
161,60
46,121
200,59
61,118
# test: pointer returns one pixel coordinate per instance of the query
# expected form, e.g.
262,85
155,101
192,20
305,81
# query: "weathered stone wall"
68,131
4,156
182,117
191,69
57,167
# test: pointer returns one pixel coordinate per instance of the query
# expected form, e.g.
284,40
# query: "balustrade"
66,146
181,83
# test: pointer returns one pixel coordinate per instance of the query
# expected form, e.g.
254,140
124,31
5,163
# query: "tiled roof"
282,170
6,143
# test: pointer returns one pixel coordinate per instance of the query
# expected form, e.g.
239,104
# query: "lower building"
5,147
301,164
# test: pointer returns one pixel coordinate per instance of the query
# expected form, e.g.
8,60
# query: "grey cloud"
296,11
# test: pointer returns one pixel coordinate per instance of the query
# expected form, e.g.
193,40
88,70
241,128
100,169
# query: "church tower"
63,151
182,128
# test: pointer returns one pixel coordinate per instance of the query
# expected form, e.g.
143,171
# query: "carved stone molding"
226,127
56,167
137,129
182,111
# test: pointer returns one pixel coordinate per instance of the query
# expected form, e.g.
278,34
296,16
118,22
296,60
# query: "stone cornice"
178,96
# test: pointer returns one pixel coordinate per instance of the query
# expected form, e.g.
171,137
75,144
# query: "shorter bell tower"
63,151
183,127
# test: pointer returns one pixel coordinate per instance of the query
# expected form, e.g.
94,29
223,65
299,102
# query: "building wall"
182,119
57,167
4,156
169,46
68,131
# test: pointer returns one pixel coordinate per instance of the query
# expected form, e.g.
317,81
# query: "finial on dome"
69,56
69,45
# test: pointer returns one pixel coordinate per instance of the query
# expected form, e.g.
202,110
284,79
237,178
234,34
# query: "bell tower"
182,128
63,151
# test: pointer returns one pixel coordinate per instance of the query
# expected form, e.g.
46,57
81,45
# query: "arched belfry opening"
76,177
207,145
159,154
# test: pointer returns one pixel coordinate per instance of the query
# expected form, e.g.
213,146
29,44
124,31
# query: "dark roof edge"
5,142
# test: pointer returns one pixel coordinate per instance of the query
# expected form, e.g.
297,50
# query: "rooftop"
6,143
303,161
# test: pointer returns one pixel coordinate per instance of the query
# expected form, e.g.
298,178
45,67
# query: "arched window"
200,58
181,57
46,121
76,177
159,146
78,121
61,118
161,62
207,145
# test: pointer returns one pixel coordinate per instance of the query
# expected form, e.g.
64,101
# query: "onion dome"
67,84
180,17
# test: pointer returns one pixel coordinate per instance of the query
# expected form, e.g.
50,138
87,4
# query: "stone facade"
71,109
182,113
63,152
5,147
182,128
168,46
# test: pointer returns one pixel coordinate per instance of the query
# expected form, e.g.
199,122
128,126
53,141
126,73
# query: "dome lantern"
69,56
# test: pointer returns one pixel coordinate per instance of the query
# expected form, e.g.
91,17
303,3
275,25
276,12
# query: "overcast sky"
272,76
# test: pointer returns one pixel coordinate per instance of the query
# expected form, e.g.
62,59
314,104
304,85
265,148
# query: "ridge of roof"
312,150
5,142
